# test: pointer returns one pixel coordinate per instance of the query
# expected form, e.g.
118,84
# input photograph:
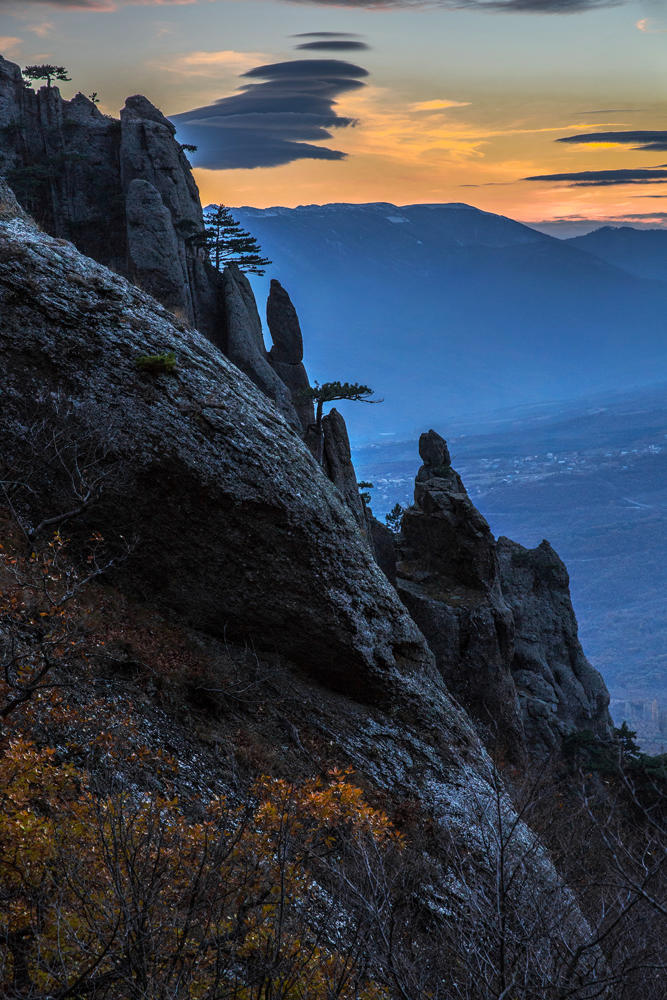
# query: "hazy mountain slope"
642,252
445,309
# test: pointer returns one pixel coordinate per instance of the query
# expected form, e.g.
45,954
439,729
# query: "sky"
536,109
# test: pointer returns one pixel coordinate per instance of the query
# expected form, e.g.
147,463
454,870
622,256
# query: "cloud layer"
606,178
652,141
511,6
334,45
274,121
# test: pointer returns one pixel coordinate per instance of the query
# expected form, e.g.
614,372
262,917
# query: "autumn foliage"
123,895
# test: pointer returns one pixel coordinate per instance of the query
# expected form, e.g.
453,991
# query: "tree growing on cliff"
394,518
330,392
228,243
45,71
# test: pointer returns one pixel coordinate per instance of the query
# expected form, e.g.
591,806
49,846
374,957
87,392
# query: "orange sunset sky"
454,100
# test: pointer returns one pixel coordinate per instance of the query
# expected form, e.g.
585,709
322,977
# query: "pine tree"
394,518
46,71
228,243
330,392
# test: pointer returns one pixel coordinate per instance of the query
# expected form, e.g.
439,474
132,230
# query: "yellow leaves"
233,890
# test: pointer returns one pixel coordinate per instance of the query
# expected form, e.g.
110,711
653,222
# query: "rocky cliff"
236,484
498,617
230,528
558,689
123,192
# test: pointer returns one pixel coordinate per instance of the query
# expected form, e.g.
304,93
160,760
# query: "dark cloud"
511,6
325,34
274,121
607,178
334,45
651,141
606,111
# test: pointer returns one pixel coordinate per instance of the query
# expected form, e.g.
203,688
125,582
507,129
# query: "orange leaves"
153,901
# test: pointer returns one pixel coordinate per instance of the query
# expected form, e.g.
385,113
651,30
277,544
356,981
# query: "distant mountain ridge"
642,252
446,309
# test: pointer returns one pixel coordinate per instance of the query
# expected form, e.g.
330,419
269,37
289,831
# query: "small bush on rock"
157,364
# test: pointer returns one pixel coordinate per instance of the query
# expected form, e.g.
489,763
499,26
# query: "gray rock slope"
238,529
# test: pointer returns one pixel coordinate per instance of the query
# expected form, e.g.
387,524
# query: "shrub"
157,364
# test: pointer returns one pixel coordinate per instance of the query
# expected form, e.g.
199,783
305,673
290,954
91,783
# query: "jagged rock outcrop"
286,355
337,464
244,342
558,689
449,579
124,194
497,616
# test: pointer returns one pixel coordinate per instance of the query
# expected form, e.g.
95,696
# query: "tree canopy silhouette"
228,243
45,71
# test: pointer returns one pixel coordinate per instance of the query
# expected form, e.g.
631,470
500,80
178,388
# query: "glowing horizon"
453,105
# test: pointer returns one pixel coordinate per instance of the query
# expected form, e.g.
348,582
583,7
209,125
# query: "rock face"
558,689
264,545
124,194
153,247
449,579
498,617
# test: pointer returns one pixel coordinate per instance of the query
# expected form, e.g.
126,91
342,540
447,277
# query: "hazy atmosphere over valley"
333,499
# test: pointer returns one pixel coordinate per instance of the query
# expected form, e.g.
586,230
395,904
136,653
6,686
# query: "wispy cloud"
509,6
9,42
605,178
334,45
99,6
653,141
42,29
439,105
211,64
